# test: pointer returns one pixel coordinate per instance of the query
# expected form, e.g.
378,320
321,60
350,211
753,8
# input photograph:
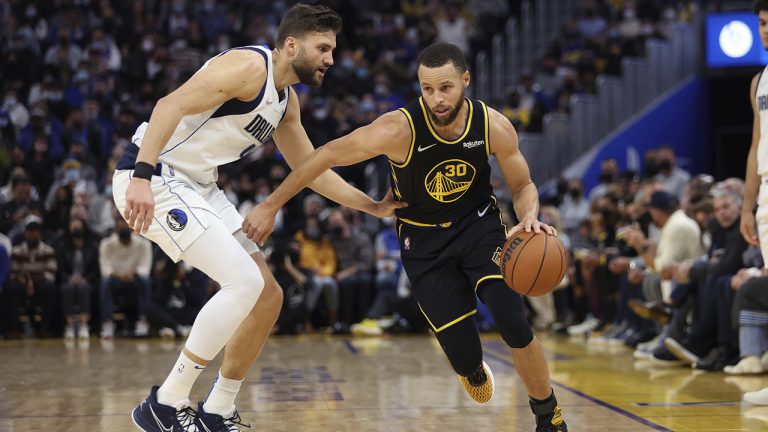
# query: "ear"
465,78
291,46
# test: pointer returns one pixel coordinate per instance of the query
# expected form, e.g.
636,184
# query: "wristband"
143,170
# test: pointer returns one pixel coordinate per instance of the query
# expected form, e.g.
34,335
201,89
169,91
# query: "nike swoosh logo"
199,367
159,423
482,213
421,149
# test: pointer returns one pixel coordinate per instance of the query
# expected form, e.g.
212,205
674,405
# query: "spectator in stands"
15,212
354,254
673,178
711,324
609,171
316,253
77,256
31,294
125,260
575,207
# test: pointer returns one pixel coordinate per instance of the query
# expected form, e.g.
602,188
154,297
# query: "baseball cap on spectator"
665,201
32,223
38,112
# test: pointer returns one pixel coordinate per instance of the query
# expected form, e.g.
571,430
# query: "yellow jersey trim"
485,278
413,140
438,330
396,185
437,225
432,131
487,130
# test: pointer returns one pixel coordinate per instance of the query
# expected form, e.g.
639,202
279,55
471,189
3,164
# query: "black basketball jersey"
443,180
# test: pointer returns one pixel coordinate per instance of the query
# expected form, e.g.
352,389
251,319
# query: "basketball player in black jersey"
451,232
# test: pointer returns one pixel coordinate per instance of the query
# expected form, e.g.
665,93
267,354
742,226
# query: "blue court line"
350,347
614,408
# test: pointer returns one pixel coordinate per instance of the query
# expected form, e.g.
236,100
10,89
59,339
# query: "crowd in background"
78,76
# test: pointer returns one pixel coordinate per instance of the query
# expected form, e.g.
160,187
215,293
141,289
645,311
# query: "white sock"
179,383
221,400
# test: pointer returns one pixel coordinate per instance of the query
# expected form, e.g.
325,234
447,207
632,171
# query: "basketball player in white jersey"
756,178
165,187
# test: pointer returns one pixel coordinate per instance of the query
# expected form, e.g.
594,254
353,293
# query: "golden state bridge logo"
449,180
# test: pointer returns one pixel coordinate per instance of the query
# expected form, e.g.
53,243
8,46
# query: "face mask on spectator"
33,244
312,233
108,190
575,193
72,175
77,234
124,234
31,12
605,177
665,165
337,231
147,45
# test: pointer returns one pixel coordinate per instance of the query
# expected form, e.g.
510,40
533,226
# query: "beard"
451,115
306,71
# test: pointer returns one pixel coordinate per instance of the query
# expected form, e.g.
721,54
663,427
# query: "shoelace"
478,378
186,417
235,420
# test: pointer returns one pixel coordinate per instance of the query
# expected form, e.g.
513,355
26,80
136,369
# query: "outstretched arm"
384,136
525,196
294,144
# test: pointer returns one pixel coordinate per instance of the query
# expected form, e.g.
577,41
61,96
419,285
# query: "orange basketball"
533,264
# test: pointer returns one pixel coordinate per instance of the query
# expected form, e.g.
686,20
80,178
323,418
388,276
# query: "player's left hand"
260,223
531,224
387,206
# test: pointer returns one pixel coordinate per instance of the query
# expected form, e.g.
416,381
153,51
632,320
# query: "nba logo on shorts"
407,243
176,219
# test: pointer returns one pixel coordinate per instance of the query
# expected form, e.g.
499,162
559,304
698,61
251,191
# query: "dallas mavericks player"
756,184
165,187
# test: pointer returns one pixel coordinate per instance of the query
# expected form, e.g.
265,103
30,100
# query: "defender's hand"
747,228
387,206
260,223
139,205
531,224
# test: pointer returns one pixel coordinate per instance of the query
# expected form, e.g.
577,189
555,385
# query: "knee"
515,331
252,287
271,297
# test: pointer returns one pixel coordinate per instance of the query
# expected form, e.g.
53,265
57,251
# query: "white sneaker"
83,332
749,365
69,332
585,327
167,333
650,345
141,329
759,397
108,330
185,331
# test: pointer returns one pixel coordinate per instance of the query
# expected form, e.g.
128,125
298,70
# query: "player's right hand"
260,222
747,228
139,205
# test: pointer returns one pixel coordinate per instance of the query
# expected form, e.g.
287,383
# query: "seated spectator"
15,212
354,255
673,178
77,256
31,293
125,261
316,253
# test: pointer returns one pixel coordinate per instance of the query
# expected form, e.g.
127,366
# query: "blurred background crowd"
657,262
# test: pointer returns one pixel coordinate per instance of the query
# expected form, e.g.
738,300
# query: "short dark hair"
302,19
760,5
440,54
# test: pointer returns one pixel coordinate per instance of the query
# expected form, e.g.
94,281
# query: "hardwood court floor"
319,383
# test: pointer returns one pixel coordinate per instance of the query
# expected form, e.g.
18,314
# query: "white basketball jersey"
761,105
224,133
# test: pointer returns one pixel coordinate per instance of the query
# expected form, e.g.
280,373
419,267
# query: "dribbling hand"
139,205
529,224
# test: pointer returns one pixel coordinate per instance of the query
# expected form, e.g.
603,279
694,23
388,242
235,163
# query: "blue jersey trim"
236,106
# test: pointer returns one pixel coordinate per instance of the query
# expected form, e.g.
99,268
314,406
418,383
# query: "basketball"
533,264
